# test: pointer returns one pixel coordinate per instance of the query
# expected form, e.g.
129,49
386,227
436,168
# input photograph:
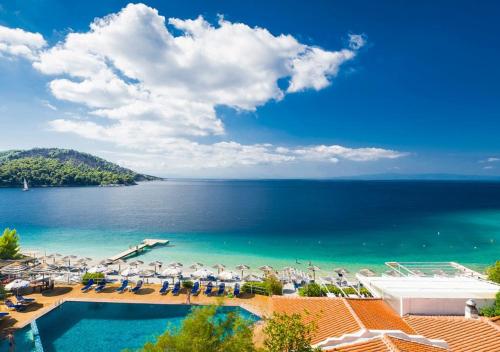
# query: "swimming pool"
92,326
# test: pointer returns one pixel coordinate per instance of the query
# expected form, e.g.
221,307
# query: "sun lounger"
100,287
164,288
3,315
24,300
236,291
177,288
137,287
208,289
196,288
123,287
89,284
222,289
18,307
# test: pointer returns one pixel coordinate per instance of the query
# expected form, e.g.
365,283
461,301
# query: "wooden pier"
134,250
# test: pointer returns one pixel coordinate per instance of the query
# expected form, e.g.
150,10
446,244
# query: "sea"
350,224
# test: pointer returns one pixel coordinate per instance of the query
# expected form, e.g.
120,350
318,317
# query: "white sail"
25,187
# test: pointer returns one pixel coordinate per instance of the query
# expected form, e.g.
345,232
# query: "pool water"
91,326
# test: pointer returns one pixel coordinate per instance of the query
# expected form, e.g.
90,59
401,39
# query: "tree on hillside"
288,333
9,244
204,331
494,272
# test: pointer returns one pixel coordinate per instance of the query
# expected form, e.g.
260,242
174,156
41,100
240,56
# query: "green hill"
54,167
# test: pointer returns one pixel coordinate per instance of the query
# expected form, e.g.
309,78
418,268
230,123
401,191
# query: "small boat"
25,187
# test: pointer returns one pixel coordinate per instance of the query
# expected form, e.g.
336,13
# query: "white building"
430,288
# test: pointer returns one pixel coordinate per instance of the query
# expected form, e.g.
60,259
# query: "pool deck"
48,300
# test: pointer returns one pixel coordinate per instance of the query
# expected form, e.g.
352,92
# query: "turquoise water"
110,327
330,223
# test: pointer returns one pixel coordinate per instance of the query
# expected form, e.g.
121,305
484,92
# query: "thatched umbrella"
175,265
313,268
219,267
242,267
156,263
266,268
252,278
367,272
196,266
15,268
68,259
54,256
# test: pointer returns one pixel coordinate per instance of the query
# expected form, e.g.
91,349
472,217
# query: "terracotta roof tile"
374,345
332,315
388,343
411,346
462,335
377,315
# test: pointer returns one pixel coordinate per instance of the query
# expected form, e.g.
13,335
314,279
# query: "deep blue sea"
330,223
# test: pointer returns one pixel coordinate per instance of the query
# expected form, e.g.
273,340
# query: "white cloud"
48,105
154,90
16,42
490,160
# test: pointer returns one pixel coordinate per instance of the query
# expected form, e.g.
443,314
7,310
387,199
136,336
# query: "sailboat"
25,187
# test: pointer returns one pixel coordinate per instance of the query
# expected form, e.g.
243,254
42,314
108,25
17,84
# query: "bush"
494,310
203,330
289,333
96,276
494,272
9,244
273,285
270,286
310,290
187,284
3,293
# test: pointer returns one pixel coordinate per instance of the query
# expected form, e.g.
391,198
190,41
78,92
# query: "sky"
256,89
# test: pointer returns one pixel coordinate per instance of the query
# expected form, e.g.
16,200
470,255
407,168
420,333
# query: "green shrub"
188,284
96,276
311,290
289,333
494,272
9,244
493,310
273,285
259,288
3,293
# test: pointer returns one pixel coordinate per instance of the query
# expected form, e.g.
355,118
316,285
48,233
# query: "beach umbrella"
226,276
54,256
156,263
219,267
266,268
119,262
17,284
242,267
14,268
367,272
175,265
130,271
171,272
196,266
68,259
391,273
252,278
313,268
341,271
98,269
146,273
43,268
201,274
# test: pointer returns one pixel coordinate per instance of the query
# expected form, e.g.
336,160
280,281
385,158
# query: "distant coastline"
53,167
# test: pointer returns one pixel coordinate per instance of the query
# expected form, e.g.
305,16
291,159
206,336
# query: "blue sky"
393,87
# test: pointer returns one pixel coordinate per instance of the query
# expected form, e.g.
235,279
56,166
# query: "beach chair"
208,289
100,286
17,307
123,287
164,288
137,287
196,288
177,288
222,289
89,284
24,300
236,291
